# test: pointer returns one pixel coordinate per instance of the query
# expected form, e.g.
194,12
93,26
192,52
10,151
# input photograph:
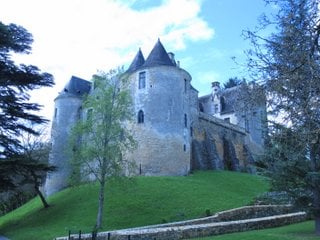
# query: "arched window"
140,117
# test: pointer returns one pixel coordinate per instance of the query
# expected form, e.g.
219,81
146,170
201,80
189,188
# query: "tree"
100,141
233,82
288,62
15,83
29,166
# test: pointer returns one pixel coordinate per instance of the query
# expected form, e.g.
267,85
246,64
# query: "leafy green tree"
101,140
287,63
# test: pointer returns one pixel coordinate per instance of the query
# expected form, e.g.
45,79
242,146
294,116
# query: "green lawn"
300,231
143,201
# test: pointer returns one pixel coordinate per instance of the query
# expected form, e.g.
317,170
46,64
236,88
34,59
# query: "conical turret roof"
158,56
77,86
137,62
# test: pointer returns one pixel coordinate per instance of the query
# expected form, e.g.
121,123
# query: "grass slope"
300,231
144,201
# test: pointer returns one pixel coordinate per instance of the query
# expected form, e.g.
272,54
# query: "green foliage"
15,83
100,142
145,201
233,82
17,113
287,63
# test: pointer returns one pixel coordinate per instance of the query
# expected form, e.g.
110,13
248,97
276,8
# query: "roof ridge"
158,56
137,62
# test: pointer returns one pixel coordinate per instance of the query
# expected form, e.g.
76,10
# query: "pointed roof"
137,62
77,86
158,56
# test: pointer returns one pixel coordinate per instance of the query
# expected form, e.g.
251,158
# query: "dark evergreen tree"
233,82
16,82
17,113
287,62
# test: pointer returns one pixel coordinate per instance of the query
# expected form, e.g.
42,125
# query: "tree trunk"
317,225
315,168
101,206
43,199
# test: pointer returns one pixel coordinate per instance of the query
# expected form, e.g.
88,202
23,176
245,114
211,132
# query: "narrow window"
79,113
201,107
185,85
216,108
191,131
247,126
185,120
55,112
184,147
89,114
140,117
142,80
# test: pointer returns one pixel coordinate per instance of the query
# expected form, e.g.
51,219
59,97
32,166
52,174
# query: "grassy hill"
142,201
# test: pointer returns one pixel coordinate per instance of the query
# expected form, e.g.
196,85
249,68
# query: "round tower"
66,113
161,98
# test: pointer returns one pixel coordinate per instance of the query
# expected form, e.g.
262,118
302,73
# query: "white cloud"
79,37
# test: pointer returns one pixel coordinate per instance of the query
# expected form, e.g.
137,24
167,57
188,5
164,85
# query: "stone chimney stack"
215,87
171,56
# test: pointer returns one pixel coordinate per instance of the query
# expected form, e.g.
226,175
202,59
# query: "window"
227,120
201,107
185,85
55,112
216,108
222,103
89,114
142,80
140,117
185,120
184,147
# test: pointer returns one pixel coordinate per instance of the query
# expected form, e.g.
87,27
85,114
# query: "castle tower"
67,112
161,99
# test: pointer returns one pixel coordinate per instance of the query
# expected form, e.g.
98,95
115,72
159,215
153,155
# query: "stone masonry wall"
257,217
218,144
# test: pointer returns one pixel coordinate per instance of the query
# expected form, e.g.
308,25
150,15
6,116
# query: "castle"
176,131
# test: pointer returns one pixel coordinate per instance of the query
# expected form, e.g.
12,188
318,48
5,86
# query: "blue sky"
79,37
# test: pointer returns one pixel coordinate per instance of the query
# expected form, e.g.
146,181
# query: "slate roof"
158,56
137,62
228,98
77,86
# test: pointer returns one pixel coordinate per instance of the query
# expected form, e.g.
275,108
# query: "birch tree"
101,139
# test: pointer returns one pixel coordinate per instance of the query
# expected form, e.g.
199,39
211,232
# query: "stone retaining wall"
221,223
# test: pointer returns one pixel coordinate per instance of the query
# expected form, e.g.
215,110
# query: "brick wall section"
221,223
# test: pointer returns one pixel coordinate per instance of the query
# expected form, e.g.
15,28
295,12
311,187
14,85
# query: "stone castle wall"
163,138
67,113
219,145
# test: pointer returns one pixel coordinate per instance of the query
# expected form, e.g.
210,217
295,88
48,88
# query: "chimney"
171,56
215,87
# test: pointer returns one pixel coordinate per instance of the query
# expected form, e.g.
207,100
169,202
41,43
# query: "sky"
80,37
